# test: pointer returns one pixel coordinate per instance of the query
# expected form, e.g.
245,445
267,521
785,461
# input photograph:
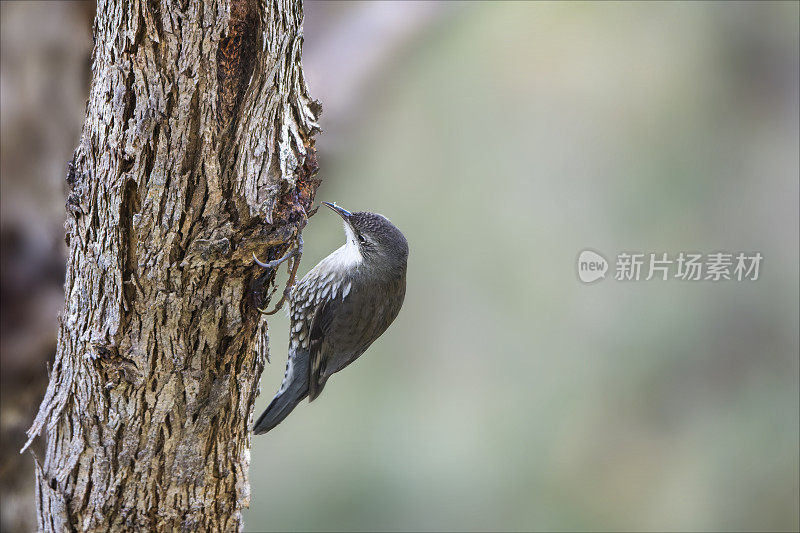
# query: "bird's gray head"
372,241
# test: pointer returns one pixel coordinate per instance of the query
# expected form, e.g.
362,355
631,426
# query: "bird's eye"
362,239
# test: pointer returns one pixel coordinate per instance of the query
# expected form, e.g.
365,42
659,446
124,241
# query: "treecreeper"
339,308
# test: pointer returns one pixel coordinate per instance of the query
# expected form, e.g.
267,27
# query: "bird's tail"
293,389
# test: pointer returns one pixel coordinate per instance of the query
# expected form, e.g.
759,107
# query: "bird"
339,308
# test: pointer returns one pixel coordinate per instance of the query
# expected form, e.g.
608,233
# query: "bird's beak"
342,212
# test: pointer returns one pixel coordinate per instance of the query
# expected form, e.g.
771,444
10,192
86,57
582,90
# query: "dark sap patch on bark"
235,57
259,298
295,203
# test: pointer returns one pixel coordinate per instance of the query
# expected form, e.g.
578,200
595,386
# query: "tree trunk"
197,151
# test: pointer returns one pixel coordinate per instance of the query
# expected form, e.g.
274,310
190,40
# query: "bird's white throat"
349,255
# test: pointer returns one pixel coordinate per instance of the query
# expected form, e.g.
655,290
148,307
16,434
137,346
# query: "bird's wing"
341,329
318,347
336,338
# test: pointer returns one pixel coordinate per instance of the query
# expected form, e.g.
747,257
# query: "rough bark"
196,151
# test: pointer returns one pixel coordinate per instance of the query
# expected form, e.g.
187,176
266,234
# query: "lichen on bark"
197,150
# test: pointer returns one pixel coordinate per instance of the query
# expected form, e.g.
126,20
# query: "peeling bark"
197,150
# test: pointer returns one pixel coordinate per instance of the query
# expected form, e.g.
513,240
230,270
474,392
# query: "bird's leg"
295,254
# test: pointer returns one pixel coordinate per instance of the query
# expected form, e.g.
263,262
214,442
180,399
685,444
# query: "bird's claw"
276,263
295,254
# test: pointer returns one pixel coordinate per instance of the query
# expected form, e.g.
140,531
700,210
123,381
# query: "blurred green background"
504,138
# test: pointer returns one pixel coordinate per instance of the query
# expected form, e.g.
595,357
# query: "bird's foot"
295,254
